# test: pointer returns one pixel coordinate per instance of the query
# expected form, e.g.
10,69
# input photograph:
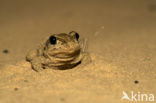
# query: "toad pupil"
77,36
52,40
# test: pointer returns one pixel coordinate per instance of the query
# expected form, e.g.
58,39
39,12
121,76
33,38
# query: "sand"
121,40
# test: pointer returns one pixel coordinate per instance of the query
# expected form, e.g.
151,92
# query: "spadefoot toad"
58,51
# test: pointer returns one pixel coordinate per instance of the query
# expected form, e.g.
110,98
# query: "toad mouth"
65,53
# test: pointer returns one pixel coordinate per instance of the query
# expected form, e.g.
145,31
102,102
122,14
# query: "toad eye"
74,34
77,36
52,40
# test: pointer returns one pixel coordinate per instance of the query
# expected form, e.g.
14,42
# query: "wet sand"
121,40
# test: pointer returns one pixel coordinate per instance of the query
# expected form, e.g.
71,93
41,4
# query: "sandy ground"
121,40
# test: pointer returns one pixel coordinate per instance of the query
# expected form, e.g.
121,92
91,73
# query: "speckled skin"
65,54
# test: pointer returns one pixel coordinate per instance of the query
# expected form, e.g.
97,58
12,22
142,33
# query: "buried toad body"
58,51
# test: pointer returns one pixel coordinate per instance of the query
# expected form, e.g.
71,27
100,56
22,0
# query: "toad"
58,51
